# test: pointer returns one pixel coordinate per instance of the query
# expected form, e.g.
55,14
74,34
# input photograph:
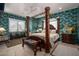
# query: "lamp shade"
2,29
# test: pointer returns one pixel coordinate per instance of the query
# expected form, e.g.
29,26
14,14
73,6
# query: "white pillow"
53,31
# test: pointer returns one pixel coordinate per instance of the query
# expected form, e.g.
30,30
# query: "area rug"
13,42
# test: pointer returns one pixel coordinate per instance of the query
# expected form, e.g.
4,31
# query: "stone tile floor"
18,50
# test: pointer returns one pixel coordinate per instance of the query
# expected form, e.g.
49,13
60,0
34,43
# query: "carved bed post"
27,25
47,32
58,24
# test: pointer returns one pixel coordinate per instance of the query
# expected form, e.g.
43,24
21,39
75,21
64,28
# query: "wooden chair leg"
35,49
23,45
22,42
40,47
35,52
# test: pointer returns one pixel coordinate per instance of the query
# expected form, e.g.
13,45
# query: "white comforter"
53,36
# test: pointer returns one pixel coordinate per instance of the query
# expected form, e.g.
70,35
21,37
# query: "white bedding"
53,36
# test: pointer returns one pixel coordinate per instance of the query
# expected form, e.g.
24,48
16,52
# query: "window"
21,25
16,25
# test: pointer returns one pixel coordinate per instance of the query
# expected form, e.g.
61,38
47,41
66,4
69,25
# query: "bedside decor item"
69,29
2,31
3,37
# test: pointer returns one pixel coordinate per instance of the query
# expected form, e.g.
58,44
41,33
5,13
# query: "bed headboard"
58,26
52,26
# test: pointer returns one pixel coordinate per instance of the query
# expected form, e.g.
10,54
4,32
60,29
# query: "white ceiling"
32,9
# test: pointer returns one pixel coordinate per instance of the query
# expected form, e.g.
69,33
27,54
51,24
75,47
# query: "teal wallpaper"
35,24
4,20
69,17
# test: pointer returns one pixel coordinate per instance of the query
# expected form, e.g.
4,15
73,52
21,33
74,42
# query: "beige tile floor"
18,50
66,50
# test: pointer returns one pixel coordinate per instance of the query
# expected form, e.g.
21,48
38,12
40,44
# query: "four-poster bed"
44,37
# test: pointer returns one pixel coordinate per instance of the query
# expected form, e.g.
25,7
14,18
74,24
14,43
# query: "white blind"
16,25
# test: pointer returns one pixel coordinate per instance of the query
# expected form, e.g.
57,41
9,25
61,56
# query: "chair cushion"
30,41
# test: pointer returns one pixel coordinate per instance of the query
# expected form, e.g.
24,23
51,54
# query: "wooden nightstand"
68,38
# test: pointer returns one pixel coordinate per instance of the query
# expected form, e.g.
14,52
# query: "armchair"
34,42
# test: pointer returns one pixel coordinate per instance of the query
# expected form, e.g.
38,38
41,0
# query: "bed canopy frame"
47,28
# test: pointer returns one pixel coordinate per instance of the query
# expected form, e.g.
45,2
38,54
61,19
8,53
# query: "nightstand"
68,38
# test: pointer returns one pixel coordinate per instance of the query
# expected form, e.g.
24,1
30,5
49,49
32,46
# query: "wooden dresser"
68,38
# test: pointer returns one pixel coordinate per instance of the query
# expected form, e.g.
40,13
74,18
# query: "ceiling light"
60,8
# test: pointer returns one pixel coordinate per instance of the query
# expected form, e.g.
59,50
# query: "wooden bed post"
27,25
47,33
58,24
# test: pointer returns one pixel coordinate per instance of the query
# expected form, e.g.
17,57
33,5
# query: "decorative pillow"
53,31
